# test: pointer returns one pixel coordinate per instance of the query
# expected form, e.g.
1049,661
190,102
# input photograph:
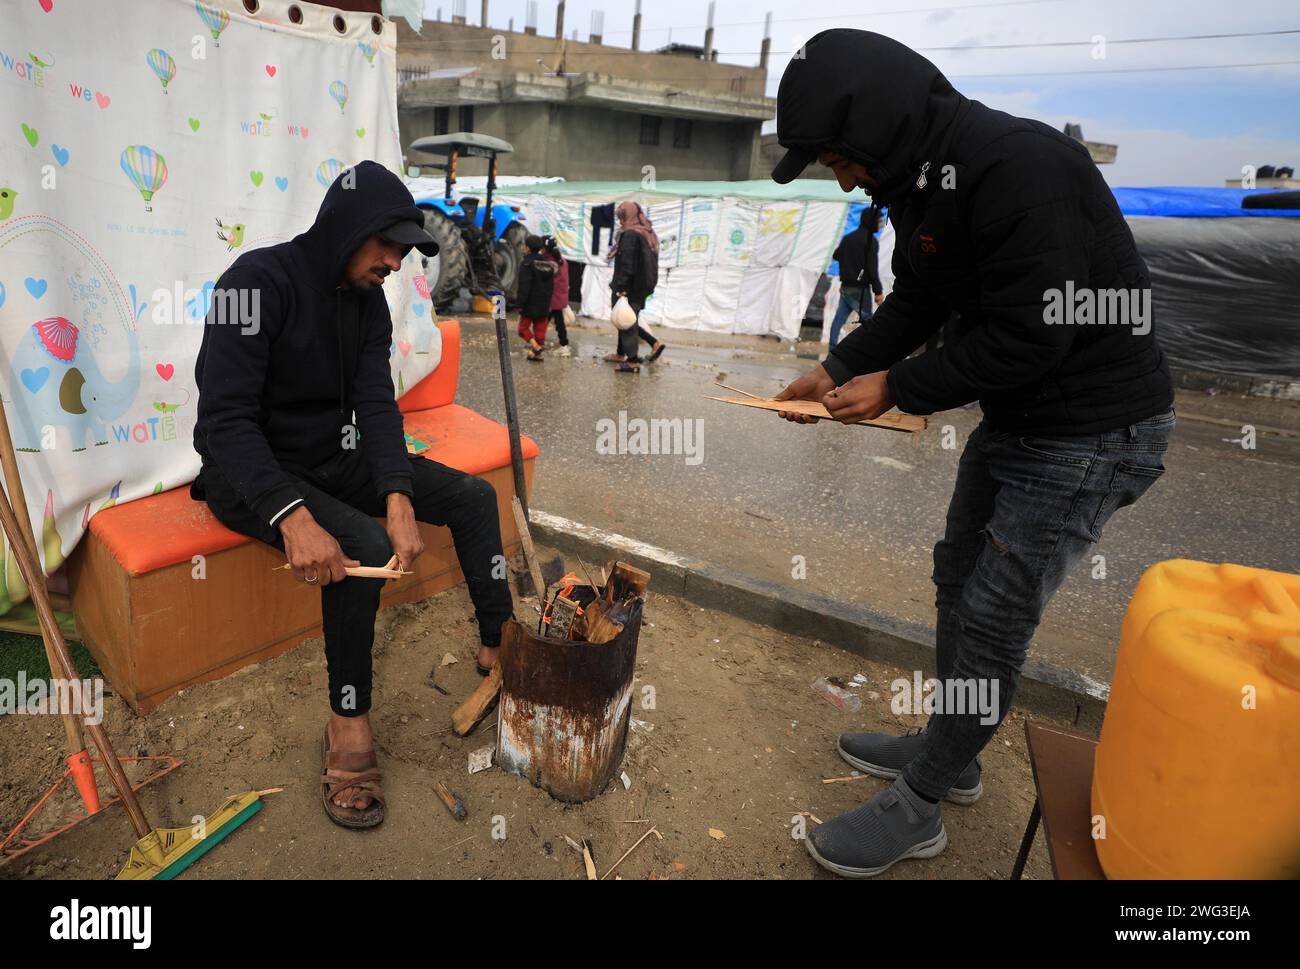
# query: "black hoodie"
276,399
991,213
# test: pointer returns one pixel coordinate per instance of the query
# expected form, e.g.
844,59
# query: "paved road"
862,507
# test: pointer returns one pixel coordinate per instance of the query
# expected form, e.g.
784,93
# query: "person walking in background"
858,254
636,272
560,296
536,290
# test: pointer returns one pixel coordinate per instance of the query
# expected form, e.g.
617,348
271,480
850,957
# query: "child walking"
536,289
560,298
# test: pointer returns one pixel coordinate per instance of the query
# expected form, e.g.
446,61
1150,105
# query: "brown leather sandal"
354,774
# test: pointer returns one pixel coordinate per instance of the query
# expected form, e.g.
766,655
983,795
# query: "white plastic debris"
480,759
627,781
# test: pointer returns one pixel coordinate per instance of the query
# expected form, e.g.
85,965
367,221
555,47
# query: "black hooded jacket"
276,398
992,213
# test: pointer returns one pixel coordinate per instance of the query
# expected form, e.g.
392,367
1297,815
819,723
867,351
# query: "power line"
1108,42
1134,70
946,8
1111,43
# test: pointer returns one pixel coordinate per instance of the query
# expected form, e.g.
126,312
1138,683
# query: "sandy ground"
739,743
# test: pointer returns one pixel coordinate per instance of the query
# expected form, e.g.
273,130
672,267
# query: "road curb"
1044,688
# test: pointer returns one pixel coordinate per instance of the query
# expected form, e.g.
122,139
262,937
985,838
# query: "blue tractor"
482,245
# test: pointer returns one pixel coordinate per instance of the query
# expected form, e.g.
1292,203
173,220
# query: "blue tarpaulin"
1193,202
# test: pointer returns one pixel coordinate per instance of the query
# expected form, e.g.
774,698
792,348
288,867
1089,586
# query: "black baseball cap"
408,233
794,162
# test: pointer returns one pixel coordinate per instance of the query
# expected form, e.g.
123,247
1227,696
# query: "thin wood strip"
626,853
893,421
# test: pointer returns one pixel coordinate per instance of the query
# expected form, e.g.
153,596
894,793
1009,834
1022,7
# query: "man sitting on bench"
302,445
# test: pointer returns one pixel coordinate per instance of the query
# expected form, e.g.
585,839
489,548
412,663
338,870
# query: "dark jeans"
344,503
1023,512
561,331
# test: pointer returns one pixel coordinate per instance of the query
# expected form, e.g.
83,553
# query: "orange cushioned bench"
157,619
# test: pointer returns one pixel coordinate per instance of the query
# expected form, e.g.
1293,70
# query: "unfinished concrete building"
584,110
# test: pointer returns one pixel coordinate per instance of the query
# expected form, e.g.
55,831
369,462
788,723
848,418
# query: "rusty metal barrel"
563,714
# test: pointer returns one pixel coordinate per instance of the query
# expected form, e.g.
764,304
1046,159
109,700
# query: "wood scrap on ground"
466,716
453,803
628,852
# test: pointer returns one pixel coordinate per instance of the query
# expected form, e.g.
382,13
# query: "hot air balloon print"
147,170
339,92
369,50
215,20
161,63
327,171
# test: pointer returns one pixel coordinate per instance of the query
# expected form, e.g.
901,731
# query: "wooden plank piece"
466,716
454,804
530,554
892,421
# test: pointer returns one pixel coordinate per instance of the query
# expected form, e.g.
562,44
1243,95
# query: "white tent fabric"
728,265
194,132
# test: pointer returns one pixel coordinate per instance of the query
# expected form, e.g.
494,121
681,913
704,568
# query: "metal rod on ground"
65,667
83,774
512,407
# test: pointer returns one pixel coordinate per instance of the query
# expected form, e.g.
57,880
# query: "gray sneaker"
884,755
867,841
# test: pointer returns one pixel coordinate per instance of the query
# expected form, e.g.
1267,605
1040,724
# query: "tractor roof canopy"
464,142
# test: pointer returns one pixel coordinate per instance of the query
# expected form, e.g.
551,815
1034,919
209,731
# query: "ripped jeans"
1024,510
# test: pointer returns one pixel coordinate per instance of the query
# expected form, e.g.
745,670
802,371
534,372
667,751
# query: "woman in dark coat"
636,271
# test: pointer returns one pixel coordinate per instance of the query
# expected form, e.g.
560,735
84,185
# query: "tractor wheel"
453,258
508,254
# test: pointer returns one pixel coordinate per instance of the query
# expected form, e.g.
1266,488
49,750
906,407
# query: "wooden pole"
62,664
14,485
512,408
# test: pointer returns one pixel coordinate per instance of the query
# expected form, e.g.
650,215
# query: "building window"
681,133
650,129
441,118
467,117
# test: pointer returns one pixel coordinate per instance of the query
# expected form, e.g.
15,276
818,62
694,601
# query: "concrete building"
583,110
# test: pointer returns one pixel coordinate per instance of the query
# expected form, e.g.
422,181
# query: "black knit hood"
871,99
362,201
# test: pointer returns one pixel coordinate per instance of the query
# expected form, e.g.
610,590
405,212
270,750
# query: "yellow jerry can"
1198,769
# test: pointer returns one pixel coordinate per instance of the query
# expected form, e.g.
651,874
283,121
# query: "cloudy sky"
1173,125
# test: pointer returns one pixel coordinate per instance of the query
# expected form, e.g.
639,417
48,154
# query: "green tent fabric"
759,190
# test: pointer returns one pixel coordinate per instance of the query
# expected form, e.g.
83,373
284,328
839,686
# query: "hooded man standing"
996,219
303,446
